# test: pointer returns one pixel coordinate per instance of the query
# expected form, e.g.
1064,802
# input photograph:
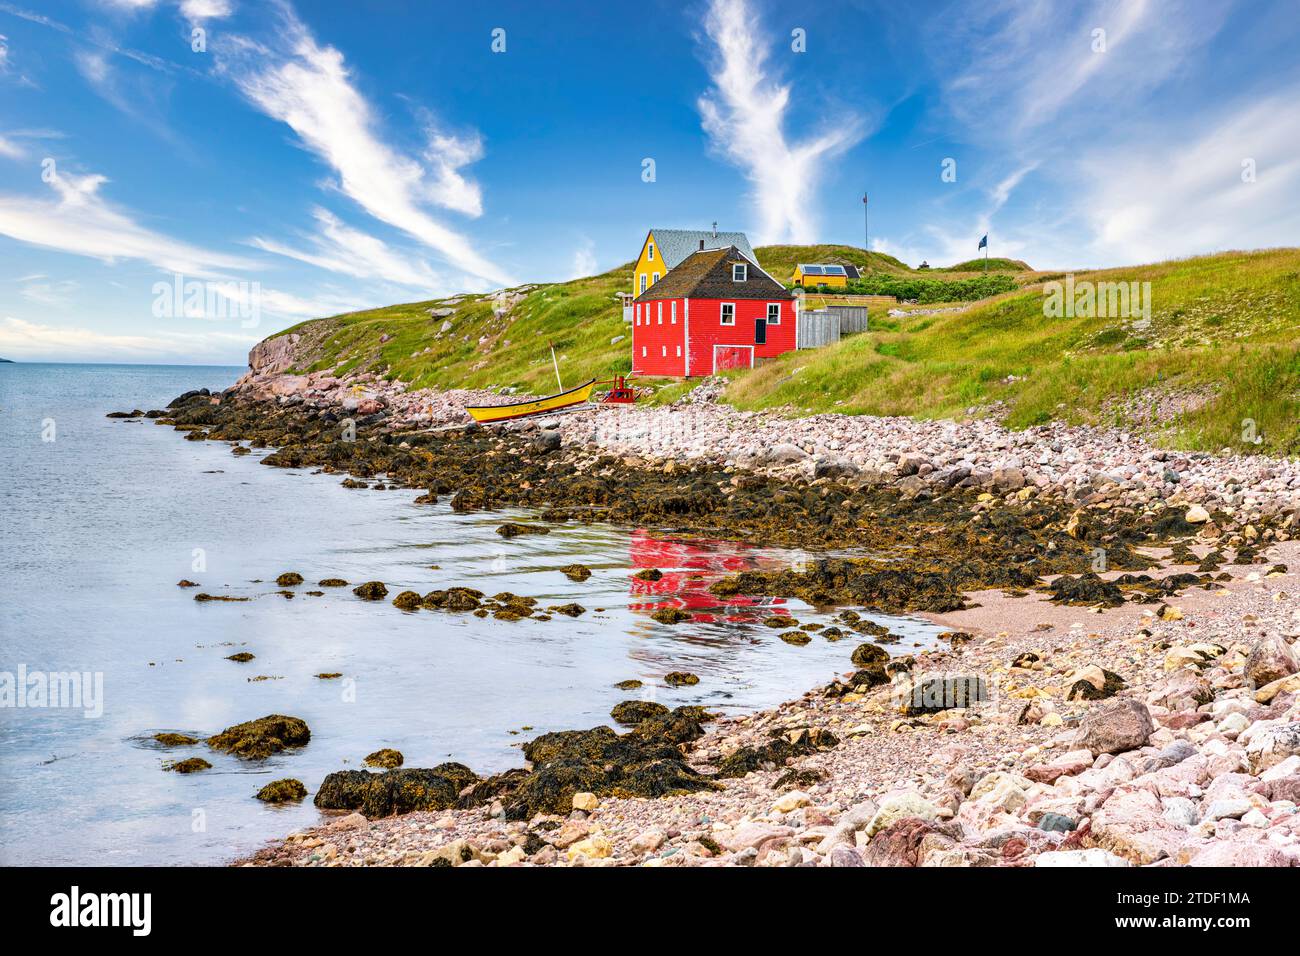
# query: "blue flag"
985,241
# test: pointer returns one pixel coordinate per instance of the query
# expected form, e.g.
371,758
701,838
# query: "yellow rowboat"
540,406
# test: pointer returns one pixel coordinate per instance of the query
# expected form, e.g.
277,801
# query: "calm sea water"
101,518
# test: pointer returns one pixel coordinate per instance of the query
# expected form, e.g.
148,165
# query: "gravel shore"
1148,733
1092,466
1195,761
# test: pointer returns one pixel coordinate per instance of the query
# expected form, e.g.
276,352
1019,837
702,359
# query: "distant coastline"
8,361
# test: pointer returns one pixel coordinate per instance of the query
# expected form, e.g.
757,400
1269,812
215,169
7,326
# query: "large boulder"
1116,727
256,739
394,791
782,453
908,841
1269,660
900,806
1270,742
1131,824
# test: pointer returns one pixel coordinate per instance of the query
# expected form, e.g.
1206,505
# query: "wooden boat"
538,406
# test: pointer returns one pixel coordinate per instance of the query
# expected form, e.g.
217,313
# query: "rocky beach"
1117,685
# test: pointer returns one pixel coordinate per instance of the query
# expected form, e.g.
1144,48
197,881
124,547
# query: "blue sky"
324,156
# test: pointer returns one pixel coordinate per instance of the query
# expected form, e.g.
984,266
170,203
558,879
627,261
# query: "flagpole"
866,232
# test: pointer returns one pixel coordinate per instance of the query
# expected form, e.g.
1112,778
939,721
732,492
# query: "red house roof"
709,275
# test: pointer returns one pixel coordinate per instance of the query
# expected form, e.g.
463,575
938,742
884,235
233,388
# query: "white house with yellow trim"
663,249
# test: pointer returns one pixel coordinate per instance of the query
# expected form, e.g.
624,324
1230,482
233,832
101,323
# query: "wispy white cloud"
51,294
11,150
1178,192
1032,60
1083,116
78,220
340,248
23,339
584,260
4,53
309,87
744,114
192,9
207,9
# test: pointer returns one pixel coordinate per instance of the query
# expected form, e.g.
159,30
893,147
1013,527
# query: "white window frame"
643,282
715,353
743,269
650,252
638,313
770,307
722,314
643,351
663,351
672,307
654,277
679,351
661,311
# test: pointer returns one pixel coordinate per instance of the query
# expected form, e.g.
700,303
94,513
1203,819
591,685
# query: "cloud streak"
309,87
744,115
22,339
338,247
80,221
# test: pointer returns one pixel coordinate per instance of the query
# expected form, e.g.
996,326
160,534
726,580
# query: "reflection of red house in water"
704,561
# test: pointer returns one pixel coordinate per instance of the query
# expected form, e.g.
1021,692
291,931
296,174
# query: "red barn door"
732,356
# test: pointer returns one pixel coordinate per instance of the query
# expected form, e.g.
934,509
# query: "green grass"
780,261
1223,331
994,265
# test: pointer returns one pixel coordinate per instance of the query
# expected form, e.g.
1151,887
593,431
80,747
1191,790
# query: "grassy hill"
1221,347
994,265
781,260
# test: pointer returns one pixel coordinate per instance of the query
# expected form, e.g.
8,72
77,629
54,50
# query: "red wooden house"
715,310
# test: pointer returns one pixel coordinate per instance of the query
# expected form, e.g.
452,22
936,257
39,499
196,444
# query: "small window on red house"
774,313
661,313
663,352
673,307
728,316
739,272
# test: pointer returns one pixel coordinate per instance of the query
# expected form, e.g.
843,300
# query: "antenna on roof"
715,229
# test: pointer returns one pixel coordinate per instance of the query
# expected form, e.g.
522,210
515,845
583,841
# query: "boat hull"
485,414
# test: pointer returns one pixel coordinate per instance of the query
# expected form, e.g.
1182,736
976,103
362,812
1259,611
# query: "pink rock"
1231,853
1269,660
1116,726
908,841
1066,765
752,834
1130,824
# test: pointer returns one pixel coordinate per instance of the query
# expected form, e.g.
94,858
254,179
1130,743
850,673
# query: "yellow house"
663,249
831,275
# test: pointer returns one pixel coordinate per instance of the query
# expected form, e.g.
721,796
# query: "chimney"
701,245
715,230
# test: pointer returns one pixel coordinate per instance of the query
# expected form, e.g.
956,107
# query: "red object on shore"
621,394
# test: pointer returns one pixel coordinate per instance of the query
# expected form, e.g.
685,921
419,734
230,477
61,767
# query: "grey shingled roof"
676,244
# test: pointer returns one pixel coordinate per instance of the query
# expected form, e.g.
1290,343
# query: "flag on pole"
984,242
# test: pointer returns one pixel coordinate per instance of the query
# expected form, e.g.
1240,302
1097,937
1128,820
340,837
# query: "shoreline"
1111,816
952,788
